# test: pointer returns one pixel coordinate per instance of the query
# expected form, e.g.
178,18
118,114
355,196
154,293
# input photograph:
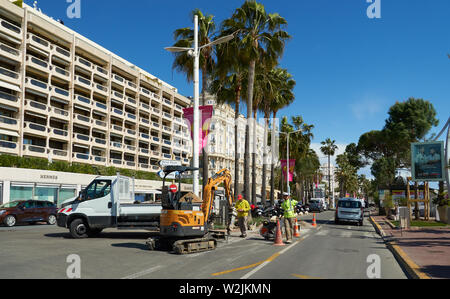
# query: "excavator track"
194,246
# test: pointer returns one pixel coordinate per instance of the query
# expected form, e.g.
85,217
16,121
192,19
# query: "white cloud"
366,108
324,159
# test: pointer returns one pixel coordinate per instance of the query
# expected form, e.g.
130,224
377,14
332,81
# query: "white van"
349,210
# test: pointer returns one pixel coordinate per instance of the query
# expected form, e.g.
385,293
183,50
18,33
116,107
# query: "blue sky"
349,69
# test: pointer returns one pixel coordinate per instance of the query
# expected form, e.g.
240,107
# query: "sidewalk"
424,252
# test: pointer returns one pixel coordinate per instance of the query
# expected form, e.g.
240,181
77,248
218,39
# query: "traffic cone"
278,237
296,229
314,224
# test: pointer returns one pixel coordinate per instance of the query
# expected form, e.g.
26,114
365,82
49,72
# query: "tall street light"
195,52
287,157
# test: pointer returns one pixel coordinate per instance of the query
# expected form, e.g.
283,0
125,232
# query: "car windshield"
12,204
350,204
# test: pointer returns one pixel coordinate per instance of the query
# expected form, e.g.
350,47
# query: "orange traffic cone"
279,237
314,224
296,229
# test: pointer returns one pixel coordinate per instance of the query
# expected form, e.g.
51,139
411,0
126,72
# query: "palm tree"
329,148
259,34
229,75
183,63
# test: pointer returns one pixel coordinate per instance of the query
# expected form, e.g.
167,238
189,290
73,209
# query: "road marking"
346,235
143,273
305,276
261,264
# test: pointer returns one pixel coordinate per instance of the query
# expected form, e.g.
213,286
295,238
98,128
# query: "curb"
405,261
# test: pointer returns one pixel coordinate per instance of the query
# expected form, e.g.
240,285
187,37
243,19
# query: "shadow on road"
110,235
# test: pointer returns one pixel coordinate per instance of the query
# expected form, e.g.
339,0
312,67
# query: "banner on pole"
206,114
291,169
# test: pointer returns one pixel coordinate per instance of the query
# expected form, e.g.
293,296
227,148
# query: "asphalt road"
329,251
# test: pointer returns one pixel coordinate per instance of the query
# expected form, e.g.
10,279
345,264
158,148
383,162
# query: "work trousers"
288,227
242,222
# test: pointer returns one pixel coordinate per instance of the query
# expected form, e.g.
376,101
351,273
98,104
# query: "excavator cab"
173,200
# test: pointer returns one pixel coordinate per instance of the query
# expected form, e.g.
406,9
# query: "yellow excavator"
185,221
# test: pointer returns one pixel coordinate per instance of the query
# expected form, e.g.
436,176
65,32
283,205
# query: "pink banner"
291,169
206,113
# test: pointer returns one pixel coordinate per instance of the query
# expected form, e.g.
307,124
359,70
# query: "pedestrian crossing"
346,234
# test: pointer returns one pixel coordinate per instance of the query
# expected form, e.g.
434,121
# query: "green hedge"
61,166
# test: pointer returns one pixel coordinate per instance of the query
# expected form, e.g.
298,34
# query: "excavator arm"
223,176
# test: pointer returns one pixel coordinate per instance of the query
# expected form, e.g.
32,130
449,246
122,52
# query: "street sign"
172,176
173,188
165,163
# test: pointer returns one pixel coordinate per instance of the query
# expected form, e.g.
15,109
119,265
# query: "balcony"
99,124
131,117
155,125
9,123
100,106
37,64
60,93
9,76
144,122
97,160
59,155
81,157
59,134
144,136
83,82
82,120
60,73
116,145
130,133
61,53
117,96
167,116
118,80
117,112
38,42
36,107
131,86
115,162
82,101
167,102
146,93
131,101
156,154
144,151
101,89
117,129
37,86
59,113
156,111
178,108
35,151
8,147
144,167
129,165
99,142
167,142
10,29
82,139
9,99
11,53
130,149
83,64
103,73
167,156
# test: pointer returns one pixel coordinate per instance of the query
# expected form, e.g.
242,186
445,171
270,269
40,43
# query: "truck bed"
140,209
139,215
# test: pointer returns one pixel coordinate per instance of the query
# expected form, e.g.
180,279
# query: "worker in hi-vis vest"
243,207
288,206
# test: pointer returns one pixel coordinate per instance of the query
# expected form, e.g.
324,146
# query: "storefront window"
46,194
65,194
21,193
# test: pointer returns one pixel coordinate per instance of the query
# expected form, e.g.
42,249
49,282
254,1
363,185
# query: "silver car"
349,210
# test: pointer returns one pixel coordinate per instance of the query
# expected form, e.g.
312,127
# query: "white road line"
248,275
143,273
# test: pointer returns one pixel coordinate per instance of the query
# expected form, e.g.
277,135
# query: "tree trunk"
254,159
329,177
264,175
272,164
248,133
237,154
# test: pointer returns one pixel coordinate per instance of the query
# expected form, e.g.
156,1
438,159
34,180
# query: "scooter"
269,228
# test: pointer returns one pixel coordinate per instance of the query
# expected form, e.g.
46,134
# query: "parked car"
316,205
28,211
349,210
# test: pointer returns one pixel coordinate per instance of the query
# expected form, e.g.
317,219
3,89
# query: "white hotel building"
65,98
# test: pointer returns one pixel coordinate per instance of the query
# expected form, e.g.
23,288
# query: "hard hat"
240,197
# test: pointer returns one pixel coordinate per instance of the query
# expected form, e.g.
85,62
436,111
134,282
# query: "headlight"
2,212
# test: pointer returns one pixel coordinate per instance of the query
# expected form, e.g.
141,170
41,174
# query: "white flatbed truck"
108,202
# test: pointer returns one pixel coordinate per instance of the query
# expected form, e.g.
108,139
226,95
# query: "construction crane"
185,221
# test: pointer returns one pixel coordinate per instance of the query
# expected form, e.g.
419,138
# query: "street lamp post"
195,52
288,134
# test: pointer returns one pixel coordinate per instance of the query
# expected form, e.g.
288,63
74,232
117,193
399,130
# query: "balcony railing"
8,120
10,51
9,73
10,27
9,97
8,145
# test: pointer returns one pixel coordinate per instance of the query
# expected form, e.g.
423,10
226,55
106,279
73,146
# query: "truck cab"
108,202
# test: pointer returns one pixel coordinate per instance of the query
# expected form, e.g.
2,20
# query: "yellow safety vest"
243,205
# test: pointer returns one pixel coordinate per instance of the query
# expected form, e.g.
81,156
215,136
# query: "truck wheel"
79,229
